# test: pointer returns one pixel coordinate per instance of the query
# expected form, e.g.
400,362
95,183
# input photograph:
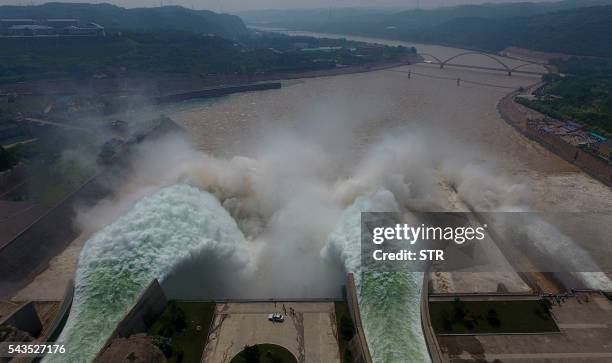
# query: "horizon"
233,6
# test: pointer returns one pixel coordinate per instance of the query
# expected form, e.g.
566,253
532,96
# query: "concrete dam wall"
29,253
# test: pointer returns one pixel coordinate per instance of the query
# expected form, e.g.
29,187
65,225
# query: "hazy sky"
236,5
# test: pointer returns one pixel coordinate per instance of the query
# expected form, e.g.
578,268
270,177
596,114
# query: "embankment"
359,344
29,253
595,167
217,92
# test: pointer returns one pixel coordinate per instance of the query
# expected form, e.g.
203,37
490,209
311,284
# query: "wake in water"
295,201
389,302
117,263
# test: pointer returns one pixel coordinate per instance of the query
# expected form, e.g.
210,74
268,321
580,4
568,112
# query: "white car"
276,317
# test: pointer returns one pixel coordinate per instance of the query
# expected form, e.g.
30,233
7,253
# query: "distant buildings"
604,149
575,134
49,27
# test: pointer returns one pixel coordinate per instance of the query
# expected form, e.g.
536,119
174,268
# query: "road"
309,334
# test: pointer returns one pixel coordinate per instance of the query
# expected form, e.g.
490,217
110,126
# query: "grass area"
346,330
477,317
264,353
587,99
181,330
58,162
166,51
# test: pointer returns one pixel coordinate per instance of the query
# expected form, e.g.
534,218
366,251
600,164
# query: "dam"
288,171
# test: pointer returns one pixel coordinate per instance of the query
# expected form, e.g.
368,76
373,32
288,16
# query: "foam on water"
162,230
551,241
389,302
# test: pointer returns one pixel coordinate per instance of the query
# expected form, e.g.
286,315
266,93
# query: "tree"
7,159
348,356
346,327
251,354
447,325
458,309
179,320
163,343
493,318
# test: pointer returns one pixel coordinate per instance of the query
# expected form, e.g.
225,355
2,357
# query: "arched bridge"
504,66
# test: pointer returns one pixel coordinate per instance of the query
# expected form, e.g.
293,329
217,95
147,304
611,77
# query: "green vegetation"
173,52
167,18
556,32
478,317
346,329
585,95
133,52
571,27
264,353
181,330
7,159
53,181
580,66
53,174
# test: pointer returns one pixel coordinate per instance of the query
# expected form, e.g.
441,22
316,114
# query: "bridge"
503,66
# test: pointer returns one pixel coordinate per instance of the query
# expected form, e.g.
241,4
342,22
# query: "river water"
294,167
346,116
369,104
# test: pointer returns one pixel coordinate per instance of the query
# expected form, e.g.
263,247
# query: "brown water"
368,105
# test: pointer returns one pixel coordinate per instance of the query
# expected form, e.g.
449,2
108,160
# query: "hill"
113,17
584,31
571,26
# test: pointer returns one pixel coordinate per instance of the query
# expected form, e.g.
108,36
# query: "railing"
353,303
435,352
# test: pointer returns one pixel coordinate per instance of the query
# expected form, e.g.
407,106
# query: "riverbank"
517,116
156,85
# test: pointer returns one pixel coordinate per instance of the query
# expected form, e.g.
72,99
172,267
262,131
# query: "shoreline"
151,86
269,81
512,114
65,261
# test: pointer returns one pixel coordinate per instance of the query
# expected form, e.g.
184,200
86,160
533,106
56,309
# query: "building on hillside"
49,27
7,23
30,30
604,149
61,23
89,29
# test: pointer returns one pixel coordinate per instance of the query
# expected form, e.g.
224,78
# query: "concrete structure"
89,30
7,23
309,333
147,309
218,91
30,30
604,149
359,344
61,23
25,319
49,27
435,352
29,253
585,322
595,166
62,315
504,66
